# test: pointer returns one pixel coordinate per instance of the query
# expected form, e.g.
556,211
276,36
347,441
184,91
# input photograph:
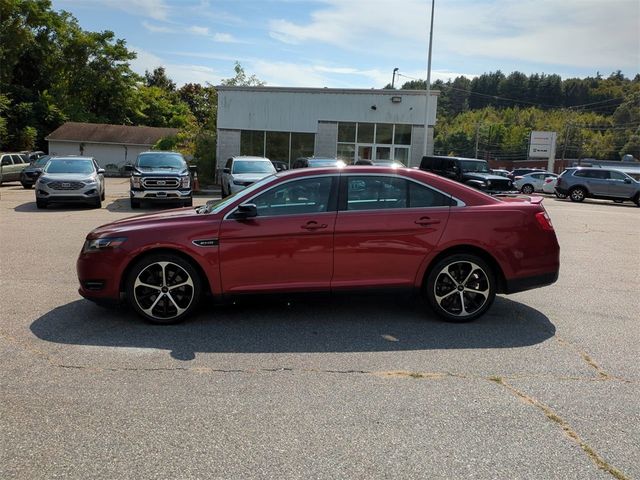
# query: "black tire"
188,203
577,194
636,200
97,203
527,189
103,196
135,204
449,275
157,273
618,201
41,203
27,186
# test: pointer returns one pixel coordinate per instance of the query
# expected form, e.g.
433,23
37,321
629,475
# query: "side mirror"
246,210
226,170
128,168
193,168
101,171
38,171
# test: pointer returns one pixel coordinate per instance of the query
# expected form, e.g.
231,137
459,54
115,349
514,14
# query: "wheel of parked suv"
577,194
163,288
27,186
527,189
41,203
461,287
97,203
637,200
103,196
135,204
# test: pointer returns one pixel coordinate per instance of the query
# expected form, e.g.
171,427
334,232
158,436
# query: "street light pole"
427,102
393,79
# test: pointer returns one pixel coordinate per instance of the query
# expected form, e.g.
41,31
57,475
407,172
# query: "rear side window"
421,196
6,160
376,193
599,174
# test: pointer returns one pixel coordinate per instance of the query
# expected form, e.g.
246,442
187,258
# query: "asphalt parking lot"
543,386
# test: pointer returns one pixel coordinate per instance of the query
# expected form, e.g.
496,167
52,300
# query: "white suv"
240,172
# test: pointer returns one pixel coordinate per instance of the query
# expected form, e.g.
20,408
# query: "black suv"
470,171
160,177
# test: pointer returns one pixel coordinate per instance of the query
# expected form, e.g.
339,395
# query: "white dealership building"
287,123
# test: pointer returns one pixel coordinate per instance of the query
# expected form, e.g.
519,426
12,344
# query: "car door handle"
426,221
314,226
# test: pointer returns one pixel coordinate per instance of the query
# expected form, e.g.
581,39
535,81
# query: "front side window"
376,192
617,175
308,195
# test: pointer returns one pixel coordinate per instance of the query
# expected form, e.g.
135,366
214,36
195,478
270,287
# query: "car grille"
65,185
500,185
160,183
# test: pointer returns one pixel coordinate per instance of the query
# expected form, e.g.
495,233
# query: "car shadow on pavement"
54,207
124,205
358,324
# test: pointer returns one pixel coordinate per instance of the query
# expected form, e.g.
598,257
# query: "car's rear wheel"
461,287
41,203
135,204
527,189
163,288
577,194
27,186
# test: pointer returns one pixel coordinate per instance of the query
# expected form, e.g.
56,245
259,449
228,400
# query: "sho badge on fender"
209,242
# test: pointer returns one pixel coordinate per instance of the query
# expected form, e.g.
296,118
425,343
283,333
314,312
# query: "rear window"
253,166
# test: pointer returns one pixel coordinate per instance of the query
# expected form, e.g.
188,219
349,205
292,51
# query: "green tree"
158,78
241,79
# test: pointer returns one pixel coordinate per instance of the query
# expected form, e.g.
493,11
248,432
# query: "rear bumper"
515,285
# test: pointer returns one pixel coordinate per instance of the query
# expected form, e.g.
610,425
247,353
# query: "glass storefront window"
346,132
383,153
346,152
277,146
384,133
401,154
302,145
252,143
403,135
365,132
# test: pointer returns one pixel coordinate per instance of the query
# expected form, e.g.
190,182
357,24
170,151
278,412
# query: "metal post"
428,89
393,79
477,138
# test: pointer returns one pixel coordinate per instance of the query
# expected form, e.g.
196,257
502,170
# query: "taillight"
544,221
548,180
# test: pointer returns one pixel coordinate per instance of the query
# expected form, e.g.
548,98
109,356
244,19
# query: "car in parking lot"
70,180
470,171
240,172
579,183
316,162
30,173
11,164
549,186
326,230
519,172
532,182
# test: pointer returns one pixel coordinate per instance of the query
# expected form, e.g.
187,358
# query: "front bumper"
161,195
99,274
87,194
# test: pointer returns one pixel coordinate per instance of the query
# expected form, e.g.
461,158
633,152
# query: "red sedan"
326,230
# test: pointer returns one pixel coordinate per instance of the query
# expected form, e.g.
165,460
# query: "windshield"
216,206
41,162
64,165
253,166
173,161
471,166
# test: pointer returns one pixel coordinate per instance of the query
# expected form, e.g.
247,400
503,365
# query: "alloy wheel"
462,288
577,194
163,290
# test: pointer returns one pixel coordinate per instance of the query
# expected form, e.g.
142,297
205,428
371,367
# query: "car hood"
72,177
160,172
250,177
172,219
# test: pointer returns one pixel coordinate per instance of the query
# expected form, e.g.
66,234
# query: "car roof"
250,157
159,151
69,157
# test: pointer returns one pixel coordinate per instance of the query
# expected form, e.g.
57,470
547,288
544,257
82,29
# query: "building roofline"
98,143
343,91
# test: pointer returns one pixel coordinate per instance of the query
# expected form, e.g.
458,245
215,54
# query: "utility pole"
477,138
427,101
393,79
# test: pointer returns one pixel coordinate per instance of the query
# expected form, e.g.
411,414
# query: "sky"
358,43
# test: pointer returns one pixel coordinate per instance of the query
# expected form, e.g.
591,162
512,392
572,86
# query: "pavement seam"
584,355
595,457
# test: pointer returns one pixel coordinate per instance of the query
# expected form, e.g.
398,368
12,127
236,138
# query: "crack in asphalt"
584,355
594,456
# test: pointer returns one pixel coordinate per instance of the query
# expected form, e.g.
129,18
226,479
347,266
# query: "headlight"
135,181
99,244
185,182
90,182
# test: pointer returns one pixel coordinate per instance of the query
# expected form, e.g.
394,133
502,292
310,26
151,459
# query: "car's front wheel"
461,287
41,203
163,288
135,204
577,194
27,186
527,189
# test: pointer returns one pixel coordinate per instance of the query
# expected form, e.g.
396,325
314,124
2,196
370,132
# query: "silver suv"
604,183
240,172
70,179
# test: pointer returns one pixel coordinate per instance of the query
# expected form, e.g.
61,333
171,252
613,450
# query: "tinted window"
617,175
6,160
253,166
309,195
421,196
161,160
228,164
374,193
601,174
17,159
61,165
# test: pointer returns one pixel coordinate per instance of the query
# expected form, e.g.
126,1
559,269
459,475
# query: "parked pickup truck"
160,177
470,171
